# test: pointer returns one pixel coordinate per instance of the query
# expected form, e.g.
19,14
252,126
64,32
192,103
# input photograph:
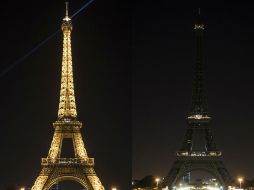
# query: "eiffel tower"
206,157
81,167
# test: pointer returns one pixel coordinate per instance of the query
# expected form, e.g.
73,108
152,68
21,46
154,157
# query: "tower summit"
79,167
67,105
199,101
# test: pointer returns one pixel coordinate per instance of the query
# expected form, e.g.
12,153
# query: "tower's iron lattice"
81,167
210,158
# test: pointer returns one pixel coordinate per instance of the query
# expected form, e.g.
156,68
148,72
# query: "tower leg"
210,144
79,146
95,182
40,182
56,145
187,145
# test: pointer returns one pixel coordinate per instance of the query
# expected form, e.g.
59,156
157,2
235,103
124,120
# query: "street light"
114,188
22,188
157,180
240,179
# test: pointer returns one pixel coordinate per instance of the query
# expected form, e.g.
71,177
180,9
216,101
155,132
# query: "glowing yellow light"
212,188
22,188
67,105
240,179
157,180
67,18
114,188
66,120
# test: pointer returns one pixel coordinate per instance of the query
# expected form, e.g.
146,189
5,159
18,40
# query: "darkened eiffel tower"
199,151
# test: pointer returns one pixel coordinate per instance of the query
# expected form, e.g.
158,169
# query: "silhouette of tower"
203,154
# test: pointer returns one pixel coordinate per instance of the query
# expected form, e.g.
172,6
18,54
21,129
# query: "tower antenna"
66,9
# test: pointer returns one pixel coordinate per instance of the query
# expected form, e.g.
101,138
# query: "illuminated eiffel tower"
81,167
205,156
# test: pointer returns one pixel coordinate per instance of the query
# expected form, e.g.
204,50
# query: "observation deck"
67,161
198,154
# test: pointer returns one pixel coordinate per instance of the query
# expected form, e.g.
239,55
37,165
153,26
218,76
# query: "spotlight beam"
21,59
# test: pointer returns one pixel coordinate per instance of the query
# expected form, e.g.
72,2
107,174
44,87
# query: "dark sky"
163,62
30,92
128,74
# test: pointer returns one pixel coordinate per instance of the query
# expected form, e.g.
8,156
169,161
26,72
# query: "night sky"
163,63
30,91
133,67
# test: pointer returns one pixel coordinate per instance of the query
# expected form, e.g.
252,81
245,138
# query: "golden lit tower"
80,168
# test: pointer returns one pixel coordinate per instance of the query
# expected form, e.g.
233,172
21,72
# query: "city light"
114,188
157,180
22,188
202,186
181,187
240,179
212,188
